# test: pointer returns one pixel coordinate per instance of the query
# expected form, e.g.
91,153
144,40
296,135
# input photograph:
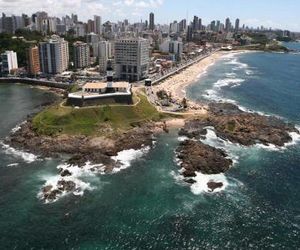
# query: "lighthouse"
109,72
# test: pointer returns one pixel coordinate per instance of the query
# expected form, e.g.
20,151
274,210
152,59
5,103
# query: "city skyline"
166,11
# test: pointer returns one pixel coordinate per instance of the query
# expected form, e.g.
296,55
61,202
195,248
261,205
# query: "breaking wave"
27,157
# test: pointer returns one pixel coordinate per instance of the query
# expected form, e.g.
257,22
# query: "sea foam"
27,157
88,170
125,158
18,127
202,180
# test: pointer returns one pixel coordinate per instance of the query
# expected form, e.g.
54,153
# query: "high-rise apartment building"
104,53
54,55
132,58
151,21
97,25
8,62
227,25
196,23
33,60
237,25
189,34
81,52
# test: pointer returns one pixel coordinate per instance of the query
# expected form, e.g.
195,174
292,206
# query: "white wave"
231,74
178,177
88,170
125,157
182,138
13,165
213,95
249,72
239,65
233,82
230,148
27,157
202,180
18,127
295,138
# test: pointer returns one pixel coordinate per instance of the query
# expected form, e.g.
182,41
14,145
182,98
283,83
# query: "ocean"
146,205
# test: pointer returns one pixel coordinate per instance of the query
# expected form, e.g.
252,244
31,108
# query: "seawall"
51,84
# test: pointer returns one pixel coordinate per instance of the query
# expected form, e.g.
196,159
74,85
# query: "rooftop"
103,85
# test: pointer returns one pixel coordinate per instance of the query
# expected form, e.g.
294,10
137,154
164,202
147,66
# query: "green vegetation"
231,126
73,88
258,38
7,42
95,120
271,47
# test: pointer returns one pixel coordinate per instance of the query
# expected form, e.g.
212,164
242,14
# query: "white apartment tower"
81,53
54,55
104,53
131,59
8,62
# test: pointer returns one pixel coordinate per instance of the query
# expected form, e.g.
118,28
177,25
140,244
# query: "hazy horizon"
276,15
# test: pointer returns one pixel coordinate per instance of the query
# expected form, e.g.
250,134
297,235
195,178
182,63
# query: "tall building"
97,25
182,25
151,21
92,38
8,62
237,25
90,26
33,60
213,26
81,53
218,27
200,24
227,25
54,55
195,24
132,58
189,34
104,54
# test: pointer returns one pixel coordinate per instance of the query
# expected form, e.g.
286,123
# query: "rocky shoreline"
230,124
99,151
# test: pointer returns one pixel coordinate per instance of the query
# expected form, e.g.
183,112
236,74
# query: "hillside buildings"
54,55
8,62
132,59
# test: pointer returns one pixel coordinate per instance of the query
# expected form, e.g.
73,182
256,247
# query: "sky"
281,14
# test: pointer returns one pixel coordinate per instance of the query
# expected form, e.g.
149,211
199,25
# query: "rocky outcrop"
231,123
196,156
81,149
214,185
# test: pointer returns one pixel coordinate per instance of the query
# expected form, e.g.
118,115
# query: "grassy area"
58,119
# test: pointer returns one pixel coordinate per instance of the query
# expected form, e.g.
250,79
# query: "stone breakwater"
230,124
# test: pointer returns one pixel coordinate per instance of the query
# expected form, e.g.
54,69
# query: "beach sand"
176,85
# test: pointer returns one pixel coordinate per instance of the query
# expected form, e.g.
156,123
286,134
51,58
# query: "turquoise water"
147,206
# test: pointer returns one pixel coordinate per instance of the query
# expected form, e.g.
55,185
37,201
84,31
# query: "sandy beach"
175,85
